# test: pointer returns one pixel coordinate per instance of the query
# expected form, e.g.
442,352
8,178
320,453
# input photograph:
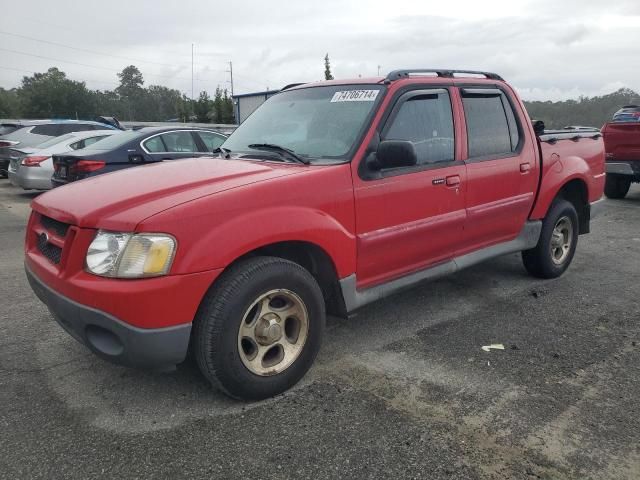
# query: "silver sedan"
31,168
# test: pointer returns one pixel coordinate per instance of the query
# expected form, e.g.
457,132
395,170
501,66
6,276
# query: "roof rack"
291,85
440,72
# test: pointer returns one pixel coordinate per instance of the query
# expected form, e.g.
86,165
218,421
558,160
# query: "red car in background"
622,145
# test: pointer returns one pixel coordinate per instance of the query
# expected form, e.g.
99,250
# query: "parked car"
34,132
628,113
135,147
581,128
391,181
32,168
622,144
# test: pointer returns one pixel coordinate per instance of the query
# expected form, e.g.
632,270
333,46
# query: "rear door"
173,145
502,168
410,218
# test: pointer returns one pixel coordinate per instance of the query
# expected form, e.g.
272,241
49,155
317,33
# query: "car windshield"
317,122
116,140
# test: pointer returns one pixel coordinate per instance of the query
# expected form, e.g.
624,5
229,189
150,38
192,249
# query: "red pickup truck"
622,145
330,196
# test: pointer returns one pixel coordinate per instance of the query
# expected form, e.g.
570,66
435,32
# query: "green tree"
586,111
327,68
204,108
10,103
228,112
131,81
131,92
52,94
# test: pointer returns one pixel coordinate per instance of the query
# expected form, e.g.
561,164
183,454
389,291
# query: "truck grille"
52,252
50,237
58,227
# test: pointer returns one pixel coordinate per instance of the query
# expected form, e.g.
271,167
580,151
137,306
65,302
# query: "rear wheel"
259,328
557,243
617,186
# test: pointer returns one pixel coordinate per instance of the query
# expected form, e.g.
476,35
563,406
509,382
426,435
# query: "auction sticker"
355,96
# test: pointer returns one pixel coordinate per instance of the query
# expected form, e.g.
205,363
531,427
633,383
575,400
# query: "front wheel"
259,328
557,243
616,186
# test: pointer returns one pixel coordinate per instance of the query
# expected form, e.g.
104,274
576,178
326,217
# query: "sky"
547,49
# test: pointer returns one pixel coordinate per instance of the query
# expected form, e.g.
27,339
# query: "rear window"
627,114
8,128
491,126
55,140
50,130
114,141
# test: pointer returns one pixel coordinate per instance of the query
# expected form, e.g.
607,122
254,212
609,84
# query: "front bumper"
112,339
623,168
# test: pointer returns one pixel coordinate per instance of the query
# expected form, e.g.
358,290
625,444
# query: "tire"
616,186
250,338
553,253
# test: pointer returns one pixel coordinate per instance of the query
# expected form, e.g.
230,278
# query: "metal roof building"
246,103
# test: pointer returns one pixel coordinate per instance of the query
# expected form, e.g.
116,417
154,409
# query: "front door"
410,218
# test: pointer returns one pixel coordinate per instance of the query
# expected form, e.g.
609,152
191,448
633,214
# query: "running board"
354,298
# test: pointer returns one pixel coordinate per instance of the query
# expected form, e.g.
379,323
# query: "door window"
179,142
155,145
491,126
211,140
426,120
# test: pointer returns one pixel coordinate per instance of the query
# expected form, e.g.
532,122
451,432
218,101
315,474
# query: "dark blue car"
628,113
134,147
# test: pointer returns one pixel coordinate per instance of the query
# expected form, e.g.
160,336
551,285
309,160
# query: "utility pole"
235,112
192,71
231,74
379,66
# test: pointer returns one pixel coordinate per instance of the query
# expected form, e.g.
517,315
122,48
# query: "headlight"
130,255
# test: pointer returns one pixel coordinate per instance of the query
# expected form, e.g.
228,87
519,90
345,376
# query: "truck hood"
120,200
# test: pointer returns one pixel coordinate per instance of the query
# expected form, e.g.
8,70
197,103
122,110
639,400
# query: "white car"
31,168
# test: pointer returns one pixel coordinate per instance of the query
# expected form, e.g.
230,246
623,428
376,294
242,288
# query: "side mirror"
395,154
538,127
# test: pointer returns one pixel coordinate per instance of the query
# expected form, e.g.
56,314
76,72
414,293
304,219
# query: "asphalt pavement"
400,390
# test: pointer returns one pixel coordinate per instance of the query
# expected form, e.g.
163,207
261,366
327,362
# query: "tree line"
586,111
53,95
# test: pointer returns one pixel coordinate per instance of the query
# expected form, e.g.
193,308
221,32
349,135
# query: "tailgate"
622,141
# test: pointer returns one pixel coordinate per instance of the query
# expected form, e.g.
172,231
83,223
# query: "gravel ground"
400,390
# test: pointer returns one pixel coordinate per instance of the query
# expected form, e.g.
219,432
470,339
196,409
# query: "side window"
427,122
491,124
92,140
77,145
155,145
211,140
179,142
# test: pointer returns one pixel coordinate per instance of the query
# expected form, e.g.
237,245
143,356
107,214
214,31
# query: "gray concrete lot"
401,390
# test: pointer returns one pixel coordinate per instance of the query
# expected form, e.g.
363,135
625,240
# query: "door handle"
525,167
453,180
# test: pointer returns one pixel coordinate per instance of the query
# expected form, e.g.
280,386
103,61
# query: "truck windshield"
316,122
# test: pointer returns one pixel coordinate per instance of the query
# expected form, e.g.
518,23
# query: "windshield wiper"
277,148
226,153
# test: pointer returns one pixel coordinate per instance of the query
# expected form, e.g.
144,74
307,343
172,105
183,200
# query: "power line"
89,51
87,65
33,72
